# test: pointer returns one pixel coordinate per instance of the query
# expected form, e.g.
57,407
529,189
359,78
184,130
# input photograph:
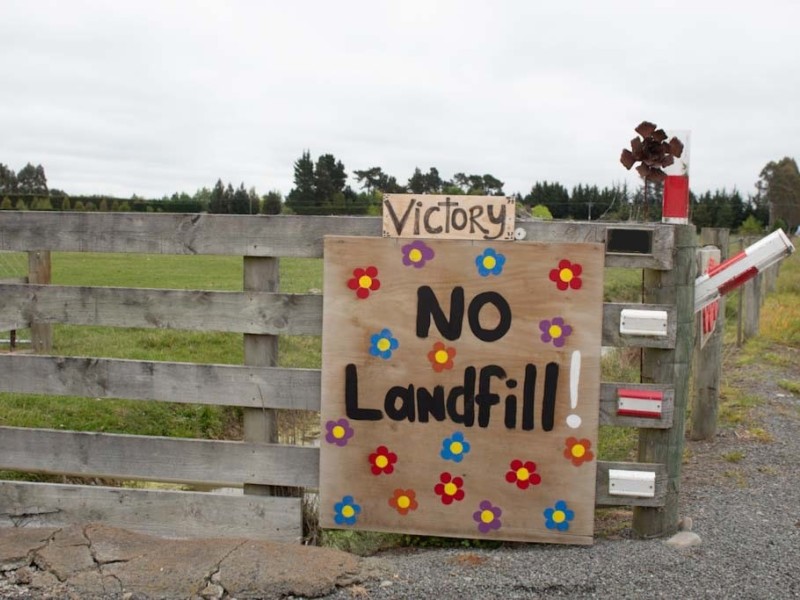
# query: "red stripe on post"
722,266
740,279
640,394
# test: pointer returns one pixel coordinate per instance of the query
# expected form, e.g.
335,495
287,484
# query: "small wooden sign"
460,388
448,217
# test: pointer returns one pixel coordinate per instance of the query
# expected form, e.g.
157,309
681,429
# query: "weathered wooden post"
261,274
39,271
672,366
708,357
752,306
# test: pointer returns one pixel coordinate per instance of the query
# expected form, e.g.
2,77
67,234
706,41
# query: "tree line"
321,187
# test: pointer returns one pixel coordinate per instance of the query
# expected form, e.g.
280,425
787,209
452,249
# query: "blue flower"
558,517
490,262
381,344
346,511
455,447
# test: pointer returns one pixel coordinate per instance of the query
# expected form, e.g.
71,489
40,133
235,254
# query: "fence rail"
261,314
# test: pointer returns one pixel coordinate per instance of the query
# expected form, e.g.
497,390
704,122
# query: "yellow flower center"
523,474
578,450
559,516
365,281
554,331
450,489
381,461
348,511
489,262
441,356
456,447
384,344
415,255
338,431
566,275
403,502
487,516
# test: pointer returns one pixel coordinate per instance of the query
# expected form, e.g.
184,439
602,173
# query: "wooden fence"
261,313
708,359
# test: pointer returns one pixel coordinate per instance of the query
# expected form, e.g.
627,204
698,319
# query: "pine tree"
272,203
302,198
216,202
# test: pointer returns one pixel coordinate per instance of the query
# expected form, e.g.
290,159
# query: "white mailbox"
641,484
643,322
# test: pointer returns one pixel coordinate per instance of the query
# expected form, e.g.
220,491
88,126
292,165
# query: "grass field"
212,273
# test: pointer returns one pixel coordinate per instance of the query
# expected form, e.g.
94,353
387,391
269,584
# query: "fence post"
672,366
752,306
39,272
260,424
708,359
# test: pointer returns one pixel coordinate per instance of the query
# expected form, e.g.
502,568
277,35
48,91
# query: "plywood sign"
460,388
448,217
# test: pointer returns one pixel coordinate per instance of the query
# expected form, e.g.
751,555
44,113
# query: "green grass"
622,285
156,418
734,456
223,273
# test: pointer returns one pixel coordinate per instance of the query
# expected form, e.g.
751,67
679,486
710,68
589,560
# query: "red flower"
578,451
382,461
449,488
441,357
364,281
404,501
523,474
567,275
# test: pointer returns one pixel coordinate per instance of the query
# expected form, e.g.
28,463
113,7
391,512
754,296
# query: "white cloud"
156,97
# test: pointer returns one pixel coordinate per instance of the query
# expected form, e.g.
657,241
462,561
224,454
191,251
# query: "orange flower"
404,501
578,451
441,357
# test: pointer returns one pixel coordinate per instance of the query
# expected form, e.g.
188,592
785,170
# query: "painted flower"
441,357
338,432
364,281
382,344
346,511
487,517
416,254
490,262
558,517
567,275
578,451
523,474
455,447
449,488
403,501
382,461
555,331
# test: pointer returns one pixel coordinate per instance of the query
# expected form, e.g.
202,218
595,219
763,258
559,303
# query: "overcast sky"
154,97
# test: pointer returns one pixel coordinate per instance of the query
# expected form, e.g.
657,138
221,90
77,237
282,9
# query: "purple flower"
338,432
487,517
555,331
416,254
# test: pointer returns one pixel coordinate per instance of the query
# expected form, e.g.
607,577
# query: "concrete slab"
96,561
18,544
256,570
